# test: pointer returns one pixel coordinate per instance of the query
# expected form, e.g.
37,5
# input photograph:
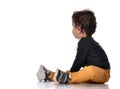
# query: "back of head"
86,20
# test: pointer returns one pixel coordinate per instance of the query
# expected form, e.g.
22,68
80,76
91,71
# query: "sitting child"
90,55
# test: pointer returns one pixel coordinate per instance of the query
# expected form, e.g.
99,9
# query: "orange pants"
88,74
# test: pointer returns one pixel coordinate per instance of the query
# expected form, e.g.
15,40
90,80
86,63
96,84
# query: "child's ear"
79,28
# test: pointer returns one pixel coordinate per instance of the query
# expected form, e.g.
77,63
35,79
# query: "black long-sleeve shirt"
89,52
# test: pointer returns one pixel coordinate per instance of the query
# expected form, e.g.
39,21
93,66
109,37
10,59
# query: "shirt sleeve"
80,58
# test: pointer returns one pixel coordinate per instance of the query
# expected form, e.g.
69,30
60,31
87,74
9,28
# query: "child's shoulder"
85,41
90,41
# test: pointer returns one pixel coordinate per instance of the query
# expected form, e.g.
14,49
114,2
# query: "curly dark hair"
86,20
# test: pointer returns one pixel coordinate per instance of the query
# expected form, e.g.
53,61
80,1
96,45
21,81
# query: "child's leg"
90,74
51,76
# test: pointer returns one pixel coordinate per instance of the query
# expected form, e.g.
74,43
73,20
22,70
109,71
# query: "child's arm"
80,59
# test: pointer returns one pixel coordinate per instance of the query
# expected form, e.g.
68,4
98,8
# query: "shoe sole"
41,73
56,75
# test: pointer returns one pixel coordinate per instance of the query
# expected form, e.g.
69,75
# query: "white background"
34,32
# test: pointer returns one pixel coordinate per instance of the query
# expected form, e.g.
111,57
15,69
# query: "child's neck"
83,35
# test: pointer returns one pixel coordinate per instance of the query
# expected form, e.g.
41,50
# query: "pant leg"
90,74
51,76
100,75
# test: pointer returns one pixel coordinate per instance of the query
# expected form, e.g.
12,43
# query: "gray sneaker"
43,73
61,77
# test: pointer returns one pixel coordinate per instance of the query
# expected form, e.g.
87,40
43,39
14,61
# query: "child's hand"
67,71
